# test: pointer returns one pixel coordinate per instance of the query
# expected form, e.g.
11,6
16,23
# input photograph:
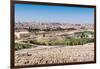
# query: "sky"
48,13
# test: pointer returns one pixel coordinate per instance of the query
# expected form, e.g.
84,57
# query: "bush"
71,41
21,46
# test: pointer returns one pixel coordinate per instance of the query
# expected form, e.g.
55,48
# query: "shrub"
19,46
71,41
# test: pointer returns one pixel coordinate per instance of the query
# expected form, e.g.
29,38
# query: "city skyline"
46,13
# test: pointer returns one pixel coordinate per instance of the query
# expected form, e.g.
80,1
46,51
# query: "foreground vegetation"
79,38
71,41
19,46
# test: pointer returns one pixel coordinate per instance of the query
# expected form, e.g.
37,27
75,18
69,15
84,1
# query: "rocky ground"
54,54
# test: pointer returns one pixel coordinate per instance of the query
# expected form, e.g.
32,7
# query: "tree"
82,35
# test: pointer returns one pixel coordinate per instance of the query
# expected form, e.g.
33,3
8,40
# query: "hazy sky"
45,13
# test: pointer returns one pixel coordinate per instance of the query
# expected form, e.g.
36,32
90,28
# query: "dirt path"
52,55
